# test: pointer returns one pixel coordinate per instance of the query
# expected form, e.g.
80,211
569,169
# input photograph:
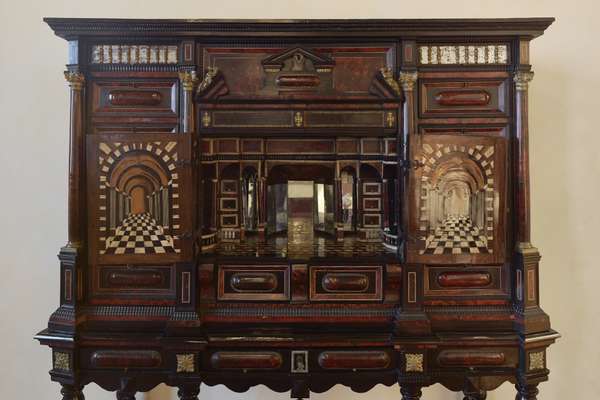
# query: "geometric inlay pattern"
414,362
536,360
185,363
457,235
139,234
464,54
62,361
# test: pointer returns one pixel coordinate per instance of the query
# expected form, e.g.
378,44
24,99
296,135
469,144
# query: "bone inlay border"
476,54
134,54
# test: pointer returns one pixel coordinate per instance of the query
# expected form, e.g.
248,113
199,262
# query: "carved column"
188,392
526,392
411,320
76,159
262,207
407,79
71,392
522,79
125,395
474,394
215,201
71,274
384,203
338,210
530,318
189,80
410,392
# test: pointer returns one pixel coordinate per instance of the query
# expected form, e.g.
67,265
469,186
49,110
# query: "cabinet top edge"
72,28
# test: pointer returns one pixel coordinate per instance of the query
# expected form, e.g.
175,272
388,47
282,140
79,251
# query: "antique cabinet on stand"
298,204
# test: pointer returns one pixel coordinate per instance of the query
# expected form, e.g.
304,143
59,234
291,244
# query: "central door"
300,212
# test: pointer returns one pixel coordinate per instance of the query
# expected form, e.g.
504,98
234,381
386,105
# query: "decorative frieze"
134,54
475,54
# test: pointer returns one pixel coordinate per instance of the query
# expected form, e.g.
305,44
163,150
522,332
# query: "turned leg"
526,392
125,395
410,392
473,394
70,392
188,392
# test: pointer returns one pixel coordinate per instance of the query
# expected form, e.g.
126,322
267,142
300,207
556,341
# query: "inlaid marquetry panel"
459,193
137,194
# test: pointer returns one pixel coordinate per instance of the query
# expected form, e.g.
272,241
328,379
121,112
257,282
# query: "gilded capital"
188,79
388,76
408,80
75,79
522,79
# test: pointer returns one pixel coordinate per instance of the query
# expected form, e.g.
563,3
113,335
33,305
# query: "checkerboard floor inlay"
140,234
457,235
318,246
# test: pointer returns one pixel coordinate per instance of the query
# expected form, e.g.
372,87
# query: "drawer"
477,357
464,96
124,359
246,360
254,282
354,360
157,97
144,283
341,283
465,282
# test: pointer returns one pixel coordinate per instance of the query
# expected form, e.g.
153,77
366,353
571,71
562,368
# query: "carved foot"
410,392
526,392
475,394
70,392
125,395
188,392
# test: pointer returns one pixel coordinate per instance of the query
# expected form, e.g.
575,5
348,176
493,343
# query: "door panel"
457,209
139,188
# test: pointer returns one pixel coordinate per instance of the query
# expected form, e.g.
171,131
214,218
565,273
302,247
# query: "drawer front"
467,358
140,97
465,281
354,360
148,283
246,360
254,283
340,283
126,359
465,97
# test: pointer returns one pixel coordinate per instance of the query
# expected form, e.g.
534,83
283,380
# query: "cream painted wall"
565,165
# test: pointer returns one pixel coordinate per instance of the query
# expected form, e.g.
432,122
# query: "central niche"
300,202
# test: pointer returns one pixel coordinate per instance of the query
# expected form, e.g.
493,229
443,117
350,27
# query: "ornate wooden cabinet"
298,204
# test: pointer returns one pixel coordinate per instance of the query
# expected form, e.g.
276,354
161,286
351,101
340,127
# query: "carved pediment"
298,70
298,59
